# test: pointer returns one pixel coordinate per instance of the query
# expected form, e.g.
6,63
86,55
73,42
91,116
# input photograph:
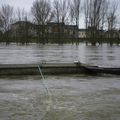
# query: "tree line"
98,15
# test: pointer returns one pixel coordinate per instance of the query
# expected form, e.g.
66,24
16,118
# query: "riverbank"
77,41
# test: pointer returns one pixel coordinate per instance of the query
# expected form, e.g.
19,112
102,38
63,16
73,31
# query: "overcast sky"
26,4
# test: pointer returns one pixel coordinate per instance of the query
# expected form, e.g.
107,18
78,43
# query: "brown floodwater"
63,97
98,55
72,97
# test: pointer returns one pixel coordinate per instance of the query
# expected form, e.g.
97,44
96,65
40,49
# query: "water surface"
98,55
70,97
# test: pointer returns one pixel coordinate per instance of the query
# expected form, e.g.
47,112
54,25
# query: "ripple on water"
73,98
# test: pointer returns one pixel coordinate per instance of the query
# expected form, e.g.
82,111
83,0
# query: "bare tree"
95,17
86,12
60,11
75,8
41,11
57,11
61,15
6,15
6,12
21,14
103,12
111,16
95,11
1,26
1,21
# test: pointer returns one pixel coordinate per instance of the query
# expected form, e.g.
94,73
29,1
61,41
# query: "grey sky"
26,4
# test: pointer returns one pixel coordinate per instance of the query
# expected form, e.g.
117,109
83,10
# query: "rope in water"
46,88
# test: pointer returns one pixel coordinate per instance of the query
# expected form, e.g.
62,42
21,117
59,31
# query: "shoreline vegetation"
59,22
96,42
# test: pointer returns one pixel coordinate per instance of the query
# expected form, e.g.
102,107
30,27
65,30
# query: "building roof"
73,27
82,30
54,23
23,22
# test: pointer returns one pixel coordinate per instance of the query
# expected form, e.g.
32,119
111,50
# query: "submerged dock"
33,69
54,69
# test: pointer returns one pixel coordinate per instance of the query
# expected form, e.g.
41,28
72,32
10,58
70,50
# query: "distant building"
71,31
55,27
93,32
66,31
82,33
21,28
112,34
52,30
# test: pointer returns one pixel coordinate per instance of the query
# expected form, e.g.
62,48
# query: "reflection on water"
98,55
73,98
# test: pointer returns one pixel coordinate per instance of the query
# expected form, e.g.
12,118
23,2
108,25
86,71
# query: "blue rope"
46,88
39,67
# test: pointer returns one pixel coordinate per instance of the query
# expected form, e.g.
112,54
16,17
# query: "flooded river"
68,97
97,55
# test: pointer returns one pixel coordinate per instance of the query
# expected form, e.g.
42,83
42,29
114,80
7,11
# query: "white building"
82,33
